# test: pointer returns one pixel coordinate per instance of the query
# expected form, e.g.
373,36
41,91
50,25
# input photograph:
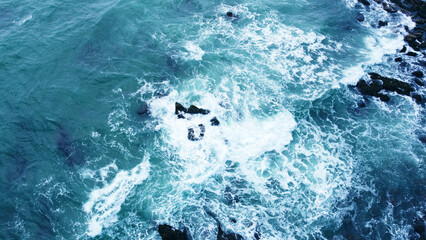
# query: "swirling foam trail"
104,204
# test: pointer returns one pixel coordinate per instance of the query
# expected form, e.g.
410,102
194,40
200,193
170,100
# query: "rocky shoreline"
379,86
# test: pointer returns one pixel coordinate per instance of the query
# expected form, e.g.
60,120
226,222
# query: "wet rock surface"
168,232
379,85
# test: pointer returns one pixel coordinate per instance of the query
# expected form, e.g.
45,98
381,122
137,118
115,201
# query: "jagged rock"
360,17
214,122
412,54
196,133
380,83
398,59
195,110
180,109
404,48
392,84
419,99
410,38
383,23
418,74
143,109
364,2
170,233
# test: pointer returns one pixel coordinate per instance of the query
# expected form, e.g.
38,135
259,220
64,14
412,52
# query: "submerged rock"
418,74
170,233
196,133
360,17
143,109
73,155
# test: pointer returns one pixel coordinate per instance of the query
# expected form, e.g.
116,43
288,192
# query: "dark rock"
172,63
392,84
418,74
214,122
410,38
229,14
361,104
221,235
419,82
412,54
170,233
364,2
383,23
419,223
179,108
195,110
404,48
373,89
360,17
196,133
233,220
64,143
379,1
418,98
383,97
257,234
143,109
398,59
422,139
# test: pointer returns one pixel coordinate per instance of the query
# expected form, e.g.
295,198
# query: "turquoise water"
294,157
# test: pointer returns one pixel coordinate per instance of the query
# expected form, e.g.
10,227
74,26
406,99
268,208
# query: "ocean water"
294,156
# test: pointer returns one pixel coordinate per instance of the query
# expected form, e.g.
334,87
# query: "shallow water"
294,157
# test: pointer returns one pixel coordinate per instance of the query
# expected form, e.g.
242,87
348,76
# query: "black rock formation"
418,74
364,2
180,109
170,233
143,109
214,122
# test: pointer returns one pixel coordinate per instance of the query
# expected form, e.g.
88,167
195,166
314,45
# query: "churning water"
293,156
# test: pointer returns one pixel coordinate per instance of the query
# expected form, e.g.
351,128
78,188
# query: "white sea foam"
24,20
249,99
193,52
104,203
383,41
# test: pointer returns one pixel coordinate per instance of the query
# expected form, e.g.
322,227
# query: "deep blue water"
294,155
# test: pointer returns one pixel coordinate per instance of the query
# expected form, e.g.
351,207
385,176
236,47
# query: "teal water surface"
294,156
